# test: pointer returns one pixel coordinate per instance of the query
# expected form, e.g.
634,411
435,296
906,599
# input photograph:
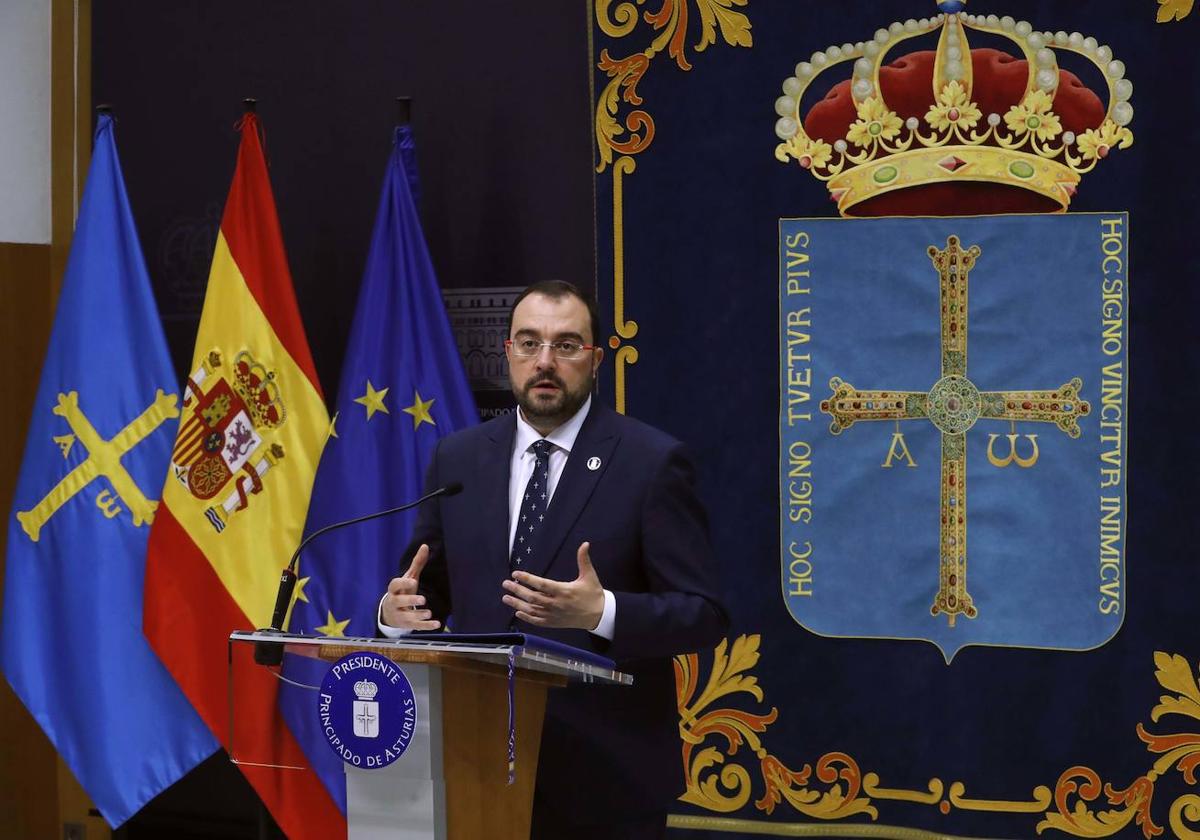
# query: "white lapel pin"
593,463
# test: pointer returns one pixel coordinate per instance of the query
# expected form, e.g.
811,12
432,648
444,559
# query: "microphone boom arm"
287,578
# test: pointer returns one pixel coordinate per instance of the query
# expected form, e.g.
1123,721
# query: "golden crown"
1026,147
257,387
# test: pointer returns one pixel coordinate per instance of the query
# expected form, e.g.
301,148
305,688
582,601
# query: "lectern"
453,780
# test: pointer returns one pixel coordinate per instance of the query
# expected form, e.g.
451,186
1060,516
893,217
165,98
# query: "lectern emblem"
367,710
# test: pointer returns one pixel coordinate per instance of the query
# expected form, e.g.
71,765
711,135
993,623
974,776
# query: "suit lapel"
495,464
597,439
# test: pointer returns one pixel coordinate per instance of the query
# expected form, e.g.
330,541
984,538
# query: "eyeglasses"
566,350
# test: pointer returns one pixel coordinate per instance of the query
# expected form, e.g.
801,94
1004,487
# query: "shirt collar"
563,437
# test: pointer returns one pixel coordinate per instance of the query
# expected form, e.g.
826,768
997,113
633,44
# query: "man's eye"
527,344
569,346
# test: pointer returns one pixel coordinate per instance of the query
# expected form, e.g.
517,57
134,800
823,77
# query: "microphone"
271,653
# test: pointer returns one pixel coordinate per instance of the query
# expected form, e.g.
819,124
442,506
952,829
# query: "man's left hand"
551,603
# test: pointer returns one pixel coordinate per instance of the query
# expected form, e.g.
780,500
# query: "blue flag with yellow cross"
402,388
94,466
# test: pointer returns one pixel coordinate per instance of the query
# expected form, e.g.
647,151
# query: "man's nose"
545,358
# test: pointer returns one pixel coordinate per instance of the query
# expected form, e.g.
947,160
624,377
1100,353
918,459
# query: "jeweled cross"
104,459
954,405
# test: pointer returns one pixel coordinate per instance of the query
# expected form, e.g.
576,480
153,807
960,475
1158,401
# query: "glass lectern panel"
275,678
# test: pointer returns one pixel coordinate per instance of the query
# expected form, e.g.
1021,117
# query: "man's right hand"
402,606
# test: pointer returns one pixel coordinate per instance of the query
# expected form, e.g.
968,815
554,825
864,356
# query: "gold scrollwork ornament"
1073,807
1173,10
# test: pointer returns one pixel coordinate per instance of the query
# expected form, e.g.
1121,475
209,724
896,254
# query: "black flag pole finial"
251,105
403,110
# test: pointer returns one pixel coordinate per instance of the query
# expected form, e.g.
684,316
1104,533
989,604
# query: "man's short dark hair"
556,290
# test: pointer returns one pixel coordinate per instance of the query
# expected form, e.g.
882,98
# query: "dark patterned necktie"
533,506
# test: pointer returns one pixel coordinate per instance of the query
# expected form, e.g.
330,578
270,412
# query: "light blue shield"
953,397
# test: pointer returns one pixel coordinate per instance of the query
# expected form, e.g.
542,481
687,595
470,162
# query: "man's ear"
597,359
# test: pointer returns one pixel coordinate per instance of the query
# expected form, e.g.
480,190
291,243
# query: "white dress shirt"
521,468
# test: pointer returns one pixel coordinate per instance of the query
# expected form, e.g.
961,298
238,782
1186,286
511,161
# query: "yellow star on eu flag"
332,627
420,410
297,595
373,400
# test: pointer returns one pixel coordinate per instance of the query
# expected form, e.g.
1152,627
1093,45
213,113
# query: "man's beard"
561,406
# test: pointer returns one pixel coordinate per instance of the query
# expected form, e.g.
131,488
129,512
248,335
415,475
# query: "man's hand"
550,603
402,606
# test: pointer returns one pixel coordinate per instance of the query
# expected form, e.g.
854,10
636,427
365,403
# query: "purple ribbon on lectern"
512,716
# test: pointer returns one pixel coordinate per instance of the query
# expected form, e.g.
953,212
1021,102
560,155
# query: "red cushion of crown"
999,83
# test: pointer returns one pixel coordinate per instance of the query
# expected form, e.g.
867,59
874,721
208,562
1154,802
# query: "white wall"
25,121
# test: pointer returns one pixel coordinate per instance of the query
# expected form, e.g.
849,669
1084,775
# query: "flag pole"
403,110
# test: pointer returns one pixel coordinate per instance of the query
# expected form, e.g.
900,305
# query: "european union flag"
402,388
94,466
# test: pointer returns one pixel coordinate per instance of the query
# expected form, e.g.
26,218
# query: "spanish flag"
251,428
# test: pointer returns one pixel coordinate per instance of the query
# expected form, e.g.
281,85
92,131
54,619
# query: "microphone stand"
271,653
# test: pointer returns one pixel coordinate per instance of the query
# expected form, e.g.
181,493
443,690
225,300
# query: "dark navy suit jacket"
608,753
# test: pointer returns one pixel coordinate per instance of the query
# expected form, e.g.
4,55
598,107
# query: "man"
577,524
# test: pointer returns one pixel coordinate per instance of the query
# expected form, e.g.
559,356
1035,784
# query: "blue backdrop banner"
898,272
